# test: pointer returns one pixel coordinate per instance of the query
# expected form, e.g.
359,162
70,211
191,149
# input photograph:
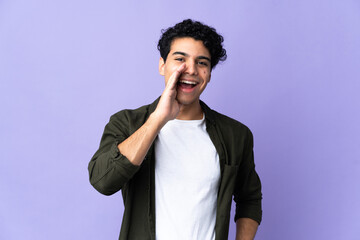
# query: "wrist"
157,120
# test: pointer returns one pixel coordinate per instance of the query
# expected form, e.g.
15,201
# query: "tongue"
186,86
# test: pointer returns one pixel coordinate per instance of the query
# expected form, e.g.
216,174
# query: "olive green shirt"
110,171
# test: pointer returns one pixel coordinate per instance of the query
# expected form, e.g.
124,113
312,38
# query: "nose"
191,68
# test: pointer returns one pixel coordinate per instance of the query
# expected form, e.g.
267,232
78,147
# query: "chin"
186,101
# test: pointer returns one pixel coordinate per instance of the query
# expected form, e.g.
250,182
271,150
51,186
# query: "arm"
119,156
247,194
246,229
137,145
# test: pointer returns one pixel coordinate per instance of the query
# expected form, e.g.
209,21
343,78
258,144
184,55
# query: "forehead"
190,46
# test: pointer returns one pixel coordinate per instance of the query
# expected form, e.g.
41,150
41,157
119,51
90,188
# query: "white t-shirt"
187,173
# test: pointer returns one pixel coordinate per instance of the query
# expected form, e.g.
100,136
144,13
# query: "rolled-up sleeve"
109,170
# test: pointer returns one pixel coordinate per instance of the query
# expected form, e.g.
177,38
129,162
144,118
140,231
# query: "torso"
187,173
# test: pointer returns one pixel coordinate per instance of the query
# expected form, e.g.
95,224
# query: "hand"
168,107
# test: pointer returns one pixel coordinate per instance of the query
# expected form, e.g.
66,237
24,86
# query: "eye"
179,59
203,63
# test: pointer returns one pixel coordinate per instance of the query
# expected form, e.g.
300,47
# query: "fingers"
175,76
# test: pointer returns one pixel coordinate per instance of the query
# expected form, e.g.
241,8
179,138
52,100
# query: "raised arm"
120,155
138,144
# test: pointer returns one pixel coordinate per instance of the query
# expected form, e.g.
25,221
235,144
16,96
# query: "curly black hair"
197,30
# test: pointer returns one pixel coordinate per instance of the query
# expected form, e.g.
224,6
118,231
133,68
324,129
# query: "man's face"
197,72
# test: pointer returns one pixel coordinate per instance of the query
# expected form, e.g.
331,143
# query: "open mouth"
186,84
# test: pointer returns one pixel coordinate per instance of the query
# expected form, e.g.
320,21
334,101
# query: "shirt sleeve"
108,169
247,194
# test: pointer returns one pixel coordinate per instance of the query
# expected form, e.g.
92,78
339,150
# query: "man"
177,162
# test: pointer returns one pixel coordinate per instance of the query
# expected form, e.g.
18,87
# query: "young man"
177,162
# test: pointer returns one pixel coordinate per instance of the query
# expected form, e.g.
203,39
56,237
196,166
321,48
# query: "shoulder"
131,113
232,131
231,126
131,119
139,114
224,122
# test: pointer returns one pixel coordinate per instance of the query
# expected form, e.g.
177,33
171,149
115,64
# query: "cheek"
206,76
171,69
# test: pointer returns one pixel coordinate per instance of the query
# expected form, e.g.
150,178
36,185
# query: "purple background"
292,76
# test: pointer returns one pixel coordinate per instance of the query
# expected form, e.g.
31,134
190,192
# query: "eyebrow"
186,55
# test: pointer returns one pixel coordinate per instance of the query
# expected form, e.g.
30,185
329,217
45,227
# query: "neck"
190,112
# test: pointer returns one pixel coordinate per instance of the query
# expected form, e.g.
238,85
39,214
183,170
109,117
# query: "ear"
161,66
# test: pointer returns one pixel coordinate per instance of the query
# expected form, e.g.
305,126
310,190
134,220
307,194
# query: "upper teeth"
188,82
